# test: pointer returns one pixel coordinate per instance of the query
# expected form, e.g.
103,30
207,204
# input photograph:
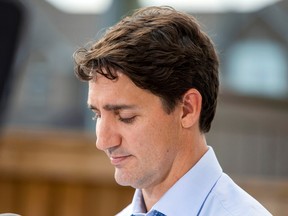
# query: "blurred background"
49,165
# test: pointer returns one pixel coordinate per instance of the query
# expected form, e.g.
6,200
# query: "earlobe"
192,102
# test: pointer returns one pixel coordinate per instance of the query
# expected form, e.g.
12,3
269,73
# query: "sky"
100,6
212,5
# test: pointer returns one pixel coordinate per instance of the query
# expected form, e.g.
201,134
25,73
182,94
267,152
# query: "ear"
192,103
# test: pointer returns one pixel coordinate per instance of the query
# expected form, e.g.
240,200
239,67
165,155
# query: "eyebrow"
112,107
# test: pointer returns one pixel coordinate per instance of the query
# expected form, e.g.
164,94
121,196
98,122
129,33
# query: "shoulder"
229,199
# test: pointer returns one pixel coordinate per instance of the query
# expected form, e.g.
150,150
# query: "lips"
118,160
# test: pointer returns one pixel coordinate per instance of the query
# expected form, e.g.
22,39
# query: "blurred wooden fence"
62,174
57,174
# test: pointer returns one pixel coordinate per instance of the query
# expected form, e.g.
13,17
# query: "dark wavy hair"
161,50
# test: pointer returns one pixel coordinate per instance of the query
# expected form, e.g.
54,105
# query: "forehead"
104,91
102,85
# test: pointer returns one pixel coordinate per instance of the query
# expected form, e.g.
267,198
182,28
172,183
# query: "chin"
122,178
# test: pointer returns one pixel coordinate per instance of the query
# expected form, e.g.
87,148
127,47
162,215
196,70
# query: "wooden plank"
70,200
34,198
7,192
53,155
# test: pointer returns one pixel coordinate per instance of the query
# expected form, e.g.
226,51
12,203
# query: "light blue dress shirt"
203,190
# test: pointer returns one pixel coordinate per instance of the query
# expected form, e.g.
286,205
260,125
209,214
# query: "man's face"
135,132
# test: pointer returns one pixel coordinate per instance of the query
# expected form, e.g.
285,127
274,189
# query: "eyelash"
124,120
127,120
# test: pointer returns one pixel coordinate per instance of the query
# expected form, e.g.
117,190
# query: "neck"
187,156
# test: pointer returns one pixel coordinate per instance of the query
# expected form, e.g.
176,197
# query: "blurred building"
46,92
249,134
253,48
250,130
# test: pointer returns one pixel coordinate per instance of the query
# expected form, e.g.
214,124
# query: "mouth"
118,160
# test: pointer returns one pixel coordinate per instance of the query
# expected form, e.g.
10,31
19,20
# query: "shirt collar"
138,205
188,194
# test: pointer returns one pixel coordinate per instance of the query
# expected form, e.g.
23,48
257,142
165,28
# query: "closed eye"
127,120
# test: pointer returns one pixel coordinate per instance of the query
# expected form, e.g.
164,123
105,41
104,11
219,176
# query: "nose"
107,135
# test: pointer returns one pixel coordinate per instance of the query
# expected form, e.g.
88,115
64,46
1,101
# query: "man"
153,86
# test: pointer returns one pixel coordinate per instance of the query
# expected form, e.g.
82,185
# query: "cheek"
155,135
141,139
153,138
